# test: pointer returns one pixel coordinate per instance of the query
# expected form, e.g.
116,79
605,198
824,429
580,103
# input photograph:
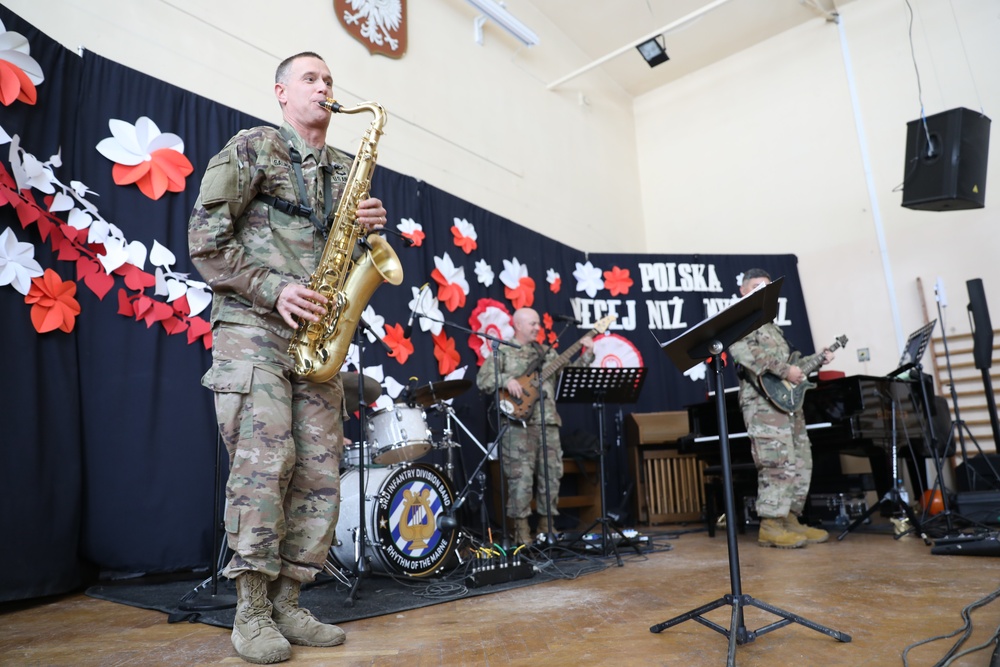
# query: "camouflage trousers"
284,436
524,467
783,455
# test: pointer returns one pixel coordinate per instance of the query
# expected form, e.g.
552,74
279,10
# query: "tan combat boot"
255,637
773,534
522,531
811,535
543,525
296,624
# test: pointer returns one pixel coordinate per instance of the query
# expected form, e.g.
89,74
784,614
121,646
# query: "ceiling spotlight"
654,51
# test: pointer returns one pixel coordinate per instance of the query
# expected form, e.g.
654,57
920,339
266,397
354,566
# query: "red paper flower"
412,230
555,285
465,235
401,346
490,317
54,304
445,352
450,294
547,321
617,281
523,295
164,171
15,85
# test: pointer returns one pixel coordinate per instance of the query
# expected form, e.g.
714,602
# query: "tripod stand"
709,338
599,386
894,496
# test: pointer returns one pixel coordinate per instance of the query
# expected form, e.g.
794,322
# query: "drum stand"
709,338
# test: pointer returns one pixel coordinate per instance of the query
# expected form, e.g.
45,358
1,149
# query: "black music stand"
599,386
707,339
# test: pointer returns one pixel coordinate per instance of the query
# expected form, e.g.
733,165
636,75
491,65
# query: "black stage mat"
377,594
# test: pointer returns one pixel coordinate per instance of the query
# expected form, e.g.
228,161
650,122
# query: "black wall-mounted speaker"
946,161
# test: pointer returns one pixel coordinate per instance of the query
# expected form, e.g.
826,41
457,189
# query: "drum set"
403,498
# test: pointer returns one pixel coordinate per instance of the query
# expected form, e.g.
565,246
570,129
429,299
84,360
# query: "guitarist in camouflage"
779,444
522,447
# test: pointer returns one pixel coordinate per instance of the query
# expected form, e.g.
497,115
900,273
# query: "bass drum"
402,504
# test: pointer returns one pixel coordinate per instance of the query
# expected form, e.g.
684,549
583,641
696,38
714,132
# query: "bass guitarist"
522,448
779,444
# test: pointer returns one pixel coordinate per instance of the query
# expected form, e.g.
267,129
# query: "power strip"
490,571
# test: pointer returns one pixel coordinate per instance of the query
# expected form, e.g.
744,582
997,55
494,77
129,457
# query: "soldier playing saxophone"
256,234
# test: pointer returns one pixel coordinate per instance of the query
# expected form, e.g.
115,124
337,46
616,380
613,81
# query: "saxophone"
351,269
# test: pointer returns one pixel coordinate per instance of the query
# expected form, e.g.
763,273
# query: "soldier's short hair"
750,274
282,72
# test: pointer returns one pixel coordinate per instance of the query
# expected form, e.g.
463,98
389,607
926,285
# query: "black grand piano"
857,415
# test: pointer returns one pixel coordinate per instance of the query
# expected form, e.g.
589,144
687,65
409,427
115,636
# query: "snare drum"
398,434
401,509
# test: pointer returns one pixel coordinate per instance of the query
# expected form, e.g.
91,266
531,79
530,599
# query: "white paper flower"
411,230
375,321
484,273
512,273
465,235
588,279
133,144
392,388
14,48
17,262
697,373
423,302
351,359
552,276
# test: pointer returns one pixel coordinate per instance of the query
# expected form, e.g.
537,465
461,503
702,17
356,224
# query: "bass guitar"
786,396
520,408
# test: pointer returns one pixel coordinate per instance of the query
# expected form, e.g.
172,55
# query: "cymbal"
435,392
373,389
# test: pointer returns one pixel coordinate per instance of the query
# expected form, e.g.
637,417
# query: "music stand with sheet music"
599,386
914,349
709,338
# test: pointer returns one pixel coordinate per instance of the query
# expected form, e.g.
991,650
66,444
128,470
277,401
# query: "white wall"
476,121
760,153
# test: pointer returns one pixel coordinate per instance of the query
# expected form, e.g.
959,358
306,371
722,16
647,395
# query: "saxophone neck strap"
302,209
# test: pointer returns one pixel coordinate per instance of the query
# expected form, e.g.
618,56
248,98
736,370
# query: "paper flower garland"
154,161
19,72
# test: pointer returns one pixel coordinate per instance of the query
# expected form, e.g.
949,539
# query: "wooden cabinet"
670,487
580,490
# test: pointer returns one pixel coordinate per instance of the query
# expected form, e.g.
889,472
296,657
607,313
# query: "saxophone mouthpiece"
331,105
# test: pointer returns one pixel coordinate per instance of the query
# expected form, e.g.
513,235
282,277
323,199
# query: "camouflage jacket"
514,363
763,350
244,248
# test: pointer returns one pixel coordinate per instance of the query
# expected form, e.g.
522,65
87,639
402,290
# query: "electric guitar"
786,396
520,408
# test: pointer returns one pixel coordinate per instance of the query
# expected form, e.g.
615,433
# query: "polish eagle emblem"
380,25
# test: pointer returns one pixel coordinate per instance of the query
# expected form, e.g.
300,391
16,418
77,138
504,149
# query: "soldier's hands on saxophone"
298,301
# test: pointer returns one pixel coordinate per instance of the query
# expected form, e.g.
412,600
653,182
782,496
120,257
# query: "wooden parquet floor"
884,593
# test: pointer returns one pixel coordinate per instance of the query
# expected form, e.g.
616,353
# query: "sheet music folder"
727,326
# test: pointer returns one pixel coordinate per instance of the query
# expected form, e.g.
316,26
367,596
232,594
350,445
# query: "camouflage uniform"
521,449
283,434
780,446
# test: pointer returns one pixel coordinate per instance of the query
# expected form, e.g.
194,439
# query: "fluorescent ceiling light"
495,12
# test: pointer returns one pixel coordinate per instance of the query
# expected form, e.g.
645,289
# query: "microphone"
447,522
565,318
413,312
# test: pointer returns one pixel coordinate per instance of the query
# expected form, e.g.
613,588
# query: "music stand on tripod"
599,386
710,338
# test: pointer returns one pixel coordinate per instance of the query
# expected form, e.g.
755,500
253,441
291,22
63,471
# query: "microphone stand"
495,344
361,566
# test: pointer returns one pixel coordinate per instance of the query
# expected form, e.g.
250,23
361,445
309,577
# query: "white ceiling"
602,27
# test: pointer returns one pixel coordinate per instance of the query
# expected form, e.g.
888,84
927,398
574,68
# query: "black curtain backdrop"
108,443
